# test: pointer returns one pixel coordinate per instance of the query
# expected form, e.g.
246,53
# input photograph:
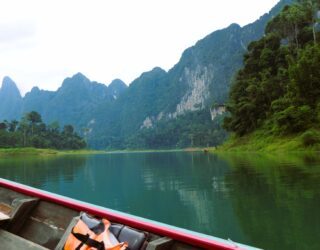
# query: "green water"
268,201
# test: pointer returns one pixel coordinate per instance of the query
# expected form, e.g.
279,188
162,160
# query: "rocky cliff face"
214,112
207,69
197,80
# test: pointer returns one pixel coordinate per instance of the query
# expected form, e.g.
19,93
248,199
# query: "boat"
31,218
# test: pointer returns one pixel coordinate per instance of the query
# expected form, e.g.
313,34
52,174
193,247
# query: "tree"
54,127
312,8
279,85
13,125
33,118
3,126
289,23
31,131
24,128
68,129
305,75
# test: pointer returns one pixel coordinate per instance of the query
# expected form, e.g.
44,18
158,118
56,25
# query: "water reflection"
269,201
40,171
277,199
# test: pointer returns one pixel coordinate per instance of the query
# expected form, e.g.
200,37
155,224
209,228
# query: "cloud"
18,34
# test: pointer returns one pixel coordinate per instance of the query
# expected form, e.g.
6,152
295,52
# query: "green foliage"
294,119
262,140
279,84
310,138
289,23
31,132
305,74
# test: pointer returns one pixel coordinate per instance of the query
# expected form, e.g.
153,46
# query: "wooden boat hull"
189,238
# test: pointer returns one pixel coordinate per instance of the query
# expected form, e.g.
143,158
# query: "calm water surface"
268,201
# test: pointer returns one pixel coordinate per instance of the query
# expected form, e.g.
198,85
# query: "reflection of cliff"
276,199
195,184
40,171
175,188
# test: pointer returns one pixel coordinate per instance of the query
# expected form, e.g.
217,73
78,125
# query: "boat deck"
31,223
35,219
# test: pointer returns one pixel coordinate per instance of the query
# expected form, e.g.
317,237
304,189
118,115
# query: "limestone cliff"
198,81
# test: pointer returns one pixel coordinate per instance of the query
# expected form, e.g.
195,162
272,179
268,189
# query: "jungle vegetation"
30,131
278,89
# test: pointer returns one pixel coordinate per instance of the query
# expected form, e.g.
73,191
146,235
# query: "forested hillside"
159,109
168,109
278,89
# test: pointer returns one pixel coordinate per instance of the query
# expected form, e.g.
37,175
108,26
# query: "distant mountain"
125,116
10,100
36,100
119,116
72,103
201,78
116,87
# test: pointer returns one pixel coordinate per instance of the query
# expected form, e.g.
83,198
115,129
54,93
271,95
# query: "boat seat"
18,211
7,196
115,229
10,241
162,243
17,207
47,223
136,239
22,209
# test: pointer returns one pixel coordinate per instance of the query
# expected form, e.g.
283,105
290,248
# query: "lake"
268,201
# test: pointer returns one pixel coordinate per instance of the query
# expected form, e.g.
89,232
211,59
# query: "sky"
42,42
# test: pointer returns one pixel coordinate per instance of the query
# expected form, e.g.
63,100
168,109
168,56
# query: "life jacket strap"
85,239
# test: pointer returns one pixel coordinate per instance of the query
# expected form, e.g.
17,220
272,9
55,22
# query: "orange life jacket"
83,238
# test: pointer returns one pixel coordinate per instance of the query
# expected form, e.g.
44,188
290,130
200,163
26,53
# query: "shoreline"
54,152
44,152
155,150
262,142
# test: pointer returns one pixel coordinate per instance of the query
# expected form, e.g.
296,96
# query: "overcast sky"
42,42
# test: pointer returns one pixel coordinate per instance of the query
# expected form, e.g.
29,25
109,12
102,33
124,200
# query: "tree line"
31,131
278,88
